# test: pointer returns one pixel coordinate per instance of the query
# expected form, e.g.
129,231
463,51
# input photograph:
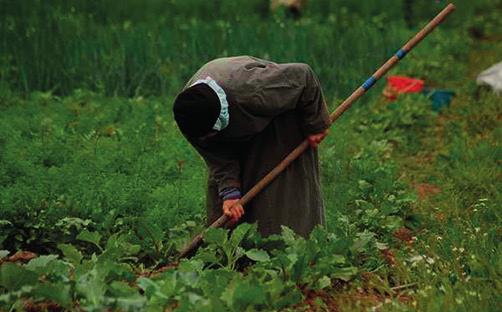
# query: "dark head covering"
196,110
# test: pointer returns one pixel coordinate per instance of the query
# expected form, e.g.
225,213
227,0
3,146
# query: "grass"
151,48
463,227
89,150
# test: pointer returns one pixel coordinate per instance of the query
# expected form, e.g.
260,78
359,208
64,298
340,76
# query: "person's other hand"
232,210
315,139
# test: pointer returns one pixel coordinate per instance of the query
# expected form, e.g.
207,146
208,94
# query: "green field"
96,179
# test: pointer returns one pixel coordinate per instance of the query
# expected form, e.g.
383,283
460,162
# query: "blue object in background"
440,98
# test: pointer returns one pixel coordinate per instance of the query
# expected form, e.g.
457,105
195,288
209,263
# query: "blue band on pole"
369,83
401,53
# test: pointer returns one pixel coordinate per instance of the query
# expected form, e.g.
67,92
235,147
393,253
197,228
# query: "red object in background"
401,84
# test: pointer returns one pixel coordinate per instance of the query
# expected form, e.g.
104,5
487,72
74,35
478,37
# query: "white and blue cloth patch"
224,117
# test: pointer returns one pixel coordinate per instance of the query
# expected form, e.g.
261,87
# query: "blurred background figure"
293,7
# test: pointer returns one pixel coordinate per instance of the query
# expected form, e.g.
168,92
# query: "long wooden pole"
360,91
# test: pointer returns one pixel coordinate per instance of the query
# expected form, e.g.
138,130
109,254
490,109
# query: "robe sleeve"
223,163
278,88
312,106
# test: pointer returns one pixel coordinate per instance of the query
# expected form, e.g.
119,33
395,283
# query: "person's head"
196,110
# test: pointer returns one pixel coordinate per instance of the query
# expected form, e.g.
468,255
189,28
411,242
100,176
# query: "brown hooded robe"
272,108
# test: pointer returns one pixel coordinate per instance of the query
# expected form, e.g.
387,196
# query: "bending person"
244,115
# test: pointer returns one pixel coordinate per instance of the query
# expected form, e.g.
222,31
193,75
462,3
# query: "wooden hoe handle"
360,91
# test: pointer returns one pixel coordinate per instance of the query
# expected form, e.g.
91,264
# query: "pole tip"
451,7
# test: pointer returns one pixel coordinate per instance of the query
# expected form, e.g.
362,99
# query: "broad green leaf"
57,271
300,268
393,222
286,298
192,265
40,263
323,282
311,249
318,235
91,237
150,232
247,294
13,276
239,252
59,293
239,233
118,245
111,269
194,299
189,278
288,235
364,185
292,258
121,289
5,223
382,246
208,256
362,241
336,259
216,236
134,302
170,286
68,223
71,253
132,249
92,287
4,253
345,274
149,287
257,255
190,223
214,282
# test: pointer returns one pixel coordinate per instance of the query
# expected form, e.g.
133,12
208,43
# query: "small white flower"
439,238
461,250
477,229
